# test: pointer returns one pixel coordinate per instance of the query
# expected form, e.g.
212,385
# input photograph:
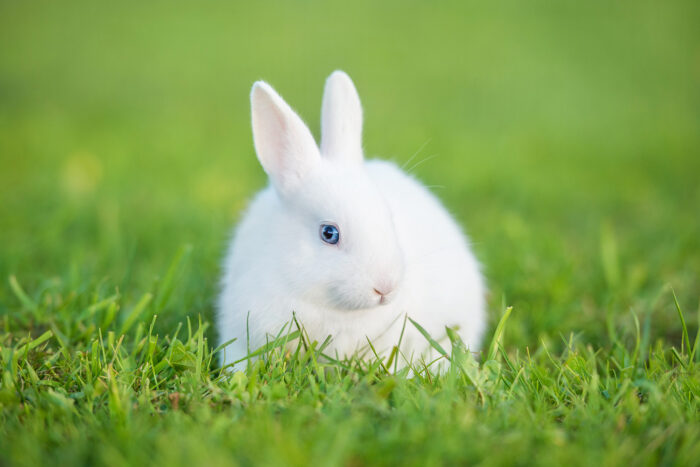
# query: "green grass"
564,137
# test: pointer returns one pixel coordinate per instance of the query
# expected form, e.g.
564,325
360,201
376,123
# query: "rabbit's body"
399,252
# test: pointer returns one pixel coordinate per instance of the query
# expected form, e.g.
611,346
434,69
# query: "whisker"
419,163
403,166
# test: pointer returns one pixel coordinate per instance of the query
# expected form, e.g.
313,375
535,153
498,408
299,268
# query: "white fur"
395,236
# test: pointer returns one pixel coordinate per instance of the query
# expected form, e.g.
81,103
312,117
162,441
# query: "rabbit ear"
285,147
341,119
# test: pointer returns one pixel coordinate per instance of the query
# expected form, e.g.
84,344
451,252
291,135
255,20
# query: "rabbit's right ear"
284,145
341,119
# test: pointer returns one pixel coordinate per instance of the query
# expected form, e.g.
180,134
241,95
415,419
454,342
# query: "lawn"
564,136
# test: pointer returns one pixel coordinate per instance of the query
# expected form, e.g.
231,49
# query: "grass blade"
135,312
498,335
165,289
24,299
685,339
429,338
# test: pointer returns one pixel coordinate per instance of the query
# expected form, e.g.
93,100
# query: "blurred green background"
563,135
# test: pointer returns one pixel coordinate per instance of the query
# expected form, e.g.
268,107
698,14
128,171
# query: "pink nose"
384,285
383,290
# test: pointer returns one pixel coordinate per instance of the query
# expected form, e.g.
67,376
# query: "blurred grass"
124,133
564,136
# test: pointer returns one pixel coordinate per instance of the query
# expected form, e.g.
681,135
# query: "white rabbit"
349,246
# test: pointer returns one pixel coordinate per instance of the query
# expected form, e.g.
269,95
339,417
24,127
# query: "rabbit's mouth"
384,297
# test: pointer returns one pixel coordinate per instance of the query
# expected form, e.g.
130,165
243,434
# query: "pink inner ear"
283,143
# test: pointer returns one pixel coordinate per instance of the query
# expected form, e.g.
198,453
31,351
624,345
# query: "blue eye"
330,234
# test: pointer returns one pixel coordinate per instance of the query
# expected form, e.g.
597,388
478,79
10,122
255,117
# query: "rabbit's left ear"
285,147
341,119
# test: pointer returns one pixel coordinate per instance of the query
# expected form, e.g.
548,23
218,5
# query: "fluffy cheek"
348,294
345,287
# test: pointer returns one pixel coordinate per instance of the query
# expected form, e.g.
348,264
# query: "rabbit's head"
334,228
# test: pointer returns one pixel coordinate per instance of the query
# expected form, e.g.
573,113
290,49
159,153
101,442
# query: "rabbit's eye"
330,234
